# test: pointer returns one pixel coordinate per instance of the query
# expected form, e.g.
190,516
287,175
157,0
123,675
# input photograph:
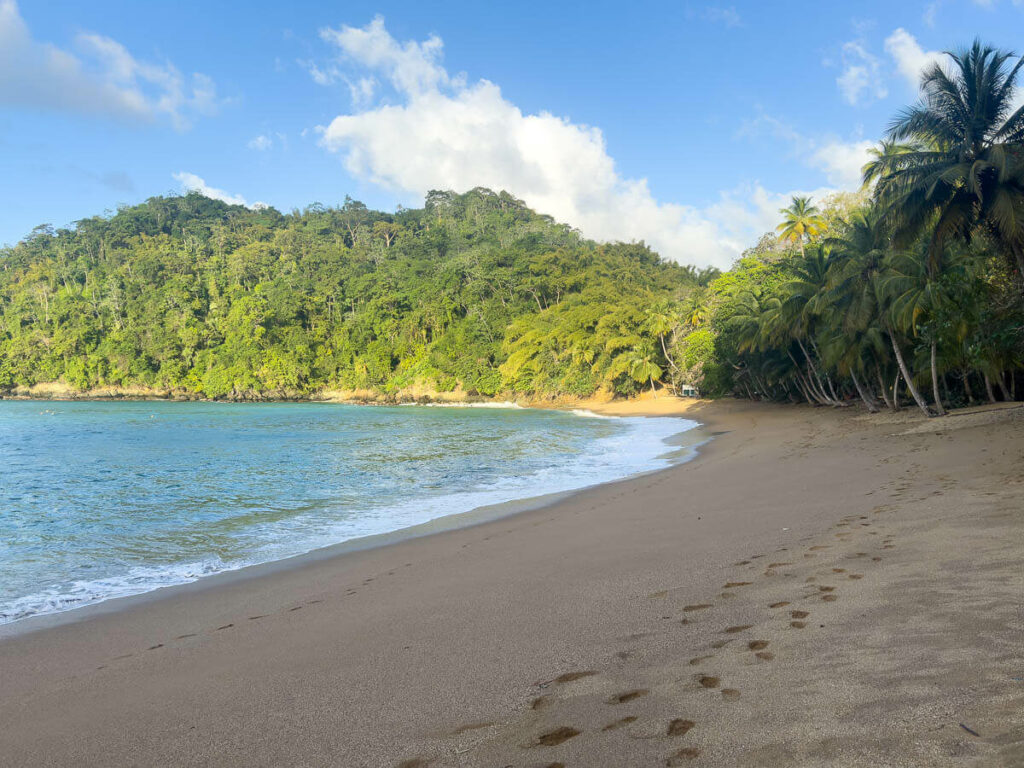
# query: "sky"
685,125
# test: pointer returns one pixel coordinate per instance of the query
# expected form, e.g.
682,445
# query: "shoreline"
596,630
60,392
687,440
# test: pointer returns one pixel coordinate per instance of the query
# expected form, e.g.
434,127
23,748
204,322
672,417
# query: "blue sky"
683,124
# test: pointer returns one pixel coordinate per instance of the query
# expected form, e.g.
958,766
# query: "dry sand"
818,588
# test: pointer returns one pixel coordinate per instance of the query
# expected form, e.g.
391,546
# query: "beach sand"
818,588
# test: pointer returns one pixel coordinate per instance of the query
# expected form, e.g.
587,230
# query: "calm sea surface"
100,500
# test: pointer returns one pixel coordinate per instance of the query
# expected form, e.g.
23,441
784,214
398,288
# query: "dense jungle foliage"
192,295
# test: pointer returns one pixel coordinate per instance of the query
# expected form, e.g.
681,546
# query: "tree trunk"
967,388
935,384
863,396
1000,380
667,356
653,392
808,385
906,377
896,391
813,375
988,388
828,379
882,387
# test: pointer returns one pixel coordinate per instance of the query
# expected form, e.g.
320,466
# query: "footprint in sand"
697,660
757,645
679,727
731,584
798,624
557,736
765,655
619,723
799,614
622,698
540,702
226,626
737,628
697,607
730,694
856,576
708,681
779,604
569,677
829,598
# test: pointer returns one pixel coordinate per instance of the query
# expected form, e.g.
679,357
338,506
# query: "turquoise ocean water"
101,500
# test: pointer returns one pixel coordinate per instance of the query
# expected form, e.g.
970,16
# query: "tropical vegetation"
908,293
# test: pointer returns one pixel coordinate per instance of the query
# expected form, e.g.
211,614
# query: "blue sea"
106,499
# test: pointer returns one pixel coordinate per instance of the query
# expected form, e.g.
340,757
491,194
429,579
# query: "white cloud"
839,159
260,143
910,58
102,79
191,183
444,133
861,74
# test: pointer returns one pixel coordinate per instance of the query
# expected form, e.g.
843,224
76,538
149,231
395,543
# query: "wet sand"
818,587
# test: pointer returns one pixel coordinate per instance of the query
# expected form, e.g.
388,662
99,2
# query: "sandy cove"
817,588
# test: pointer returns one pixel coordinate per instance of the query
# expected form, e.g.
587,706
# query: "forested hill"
475,291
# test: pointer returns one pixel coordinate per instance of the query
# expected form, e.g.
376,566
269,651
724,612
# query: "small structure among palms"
802,222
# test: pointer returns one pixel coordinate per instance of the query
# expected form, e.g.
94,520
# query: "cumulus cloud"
910,58
862,74
260,143
190,182
436,130
102,78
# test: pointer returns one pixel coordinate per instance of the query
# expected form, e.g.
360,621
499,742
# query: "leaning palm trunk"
967,388
667,355
814,377
988,388
935,385
828,379
896,390
906,377
872,408
1001,381
883,390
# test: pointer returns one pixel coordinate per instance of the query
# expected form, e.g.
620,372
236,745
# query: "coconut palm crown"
802,221
956,159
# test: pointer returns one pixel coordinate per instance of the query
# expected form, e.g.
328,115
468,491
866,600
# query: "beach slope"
818,587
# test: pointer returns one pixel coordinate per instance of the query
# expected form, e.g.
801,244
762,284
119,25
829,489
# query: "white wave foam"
639,447
590,414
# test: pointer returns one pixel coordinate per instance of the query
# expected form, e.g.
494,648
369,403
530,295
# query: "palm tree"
642,365
965,171
802,222
858,260
882,157
663,320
